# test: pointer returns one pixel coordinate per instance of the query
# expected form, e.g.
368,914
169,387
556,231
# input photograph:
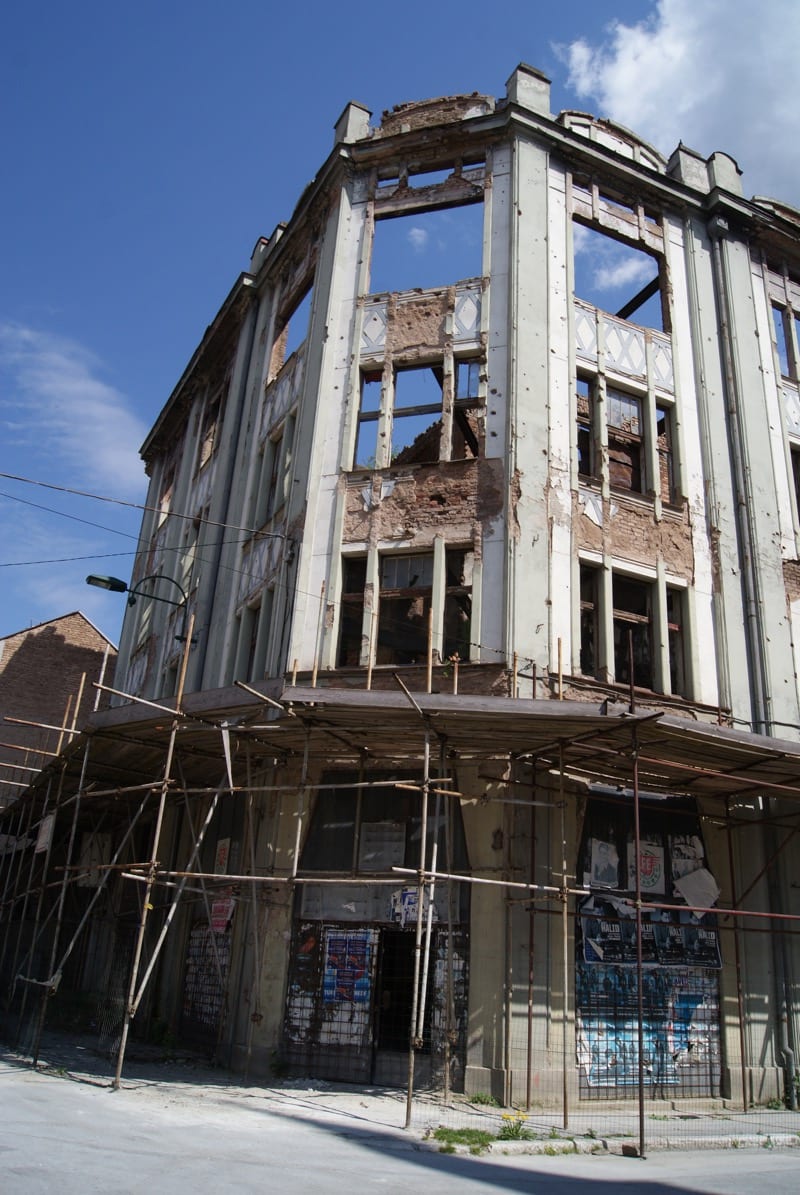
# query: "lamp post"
117,585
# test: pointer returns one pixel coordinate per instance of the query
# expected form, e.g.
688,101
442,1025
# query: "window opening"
675,638
371,830
354,579
588,657
795,459
466,441
427,248
274,450
291,332
368,416
417,415
429,178
210,427
664,448
406,584
624,421
781,339
633,627
165,499
617,277
585,421
457,603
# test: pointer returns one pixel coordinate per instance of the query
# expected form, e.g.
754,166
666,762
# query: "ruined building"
470,566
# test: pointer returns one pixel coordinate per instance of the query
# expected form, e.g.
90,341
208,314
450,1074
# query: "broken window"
633,632
618,277
368,416
406,584
370,830
457,604
589,663
351,623
417,415
165,497
417,402
407,595
781,340
587,456
274,473
427,248
209,429
634,464
666,478
624,421
467,424
291,330
255,620
675,639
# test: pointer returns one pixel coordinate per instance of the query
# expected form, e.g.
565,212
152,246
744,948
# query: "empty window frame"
351,618
427,248
633,631
406,589
291,331
645,631
370,830
618,277
408,592
786,330
636,462
273,477
408,425
255,622
210,427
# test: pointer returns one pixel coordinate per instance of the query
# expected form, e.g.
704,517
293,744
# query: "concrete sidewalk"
183,1081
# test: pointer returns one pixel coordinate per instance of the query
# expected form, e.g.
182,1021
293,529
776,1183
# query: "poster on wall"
604,871
347,967
608,934
680,1037
651,867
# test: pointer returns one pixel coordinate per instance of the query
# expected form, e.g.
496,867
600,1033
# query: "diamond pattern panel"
662,362
585,332
373,331
624,347
791,406
467,318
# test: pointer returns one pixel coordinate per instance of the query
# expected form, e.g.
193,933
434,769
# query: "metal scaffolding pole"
152,870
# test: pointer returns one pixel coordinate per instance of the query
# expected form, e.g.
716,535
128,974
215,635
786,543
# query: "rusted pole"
421,883
738,962
531,944
564,940
54,979
637,837
429,675
255,1014
130,1008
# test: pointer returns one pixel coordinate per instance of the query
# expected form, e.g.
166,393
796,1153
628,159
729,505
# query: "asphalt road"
67,1135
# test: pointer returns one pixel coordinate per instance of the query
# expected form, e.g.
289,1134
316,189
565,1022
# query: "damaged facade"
455,542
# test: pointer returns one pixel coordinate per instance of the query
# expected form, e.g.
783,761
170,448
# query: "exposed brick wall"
40,676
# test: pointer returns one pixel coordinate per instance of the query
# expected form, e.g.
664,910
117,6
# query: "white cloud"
60,414
418,239
717,75
623,271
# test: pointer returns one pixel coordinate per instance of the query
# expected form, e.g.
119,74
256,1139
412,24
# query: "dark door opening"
395,992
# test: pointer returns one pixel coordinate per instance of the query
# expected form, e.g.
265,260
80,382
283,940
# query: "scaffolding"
122,844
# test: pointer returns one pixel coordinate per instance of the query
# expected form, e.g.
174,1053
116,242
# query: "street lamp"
117,585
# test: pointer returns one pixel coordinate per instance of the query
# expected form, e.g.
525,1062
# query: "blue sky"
147,147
